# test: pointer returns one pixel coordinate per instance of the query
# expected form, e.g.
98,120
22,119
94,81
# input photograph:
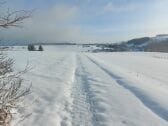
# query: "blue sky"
90,20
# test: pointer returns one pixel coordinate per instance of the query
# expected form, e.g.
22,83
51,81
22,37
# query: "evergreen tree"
31,47
41,48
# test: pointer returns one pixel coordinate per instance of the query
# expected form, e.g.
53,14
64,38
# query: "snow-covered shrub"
11,91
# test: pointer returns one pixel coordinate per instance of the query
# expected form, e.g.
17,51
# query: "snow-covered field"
73,88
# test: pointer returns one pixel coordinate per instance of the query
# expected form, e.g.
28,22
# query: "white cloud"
49,25
59,13
111,7
69,22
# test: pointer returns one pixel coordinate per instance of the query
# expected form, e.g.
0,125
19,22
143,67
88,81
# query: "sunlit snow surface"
75,88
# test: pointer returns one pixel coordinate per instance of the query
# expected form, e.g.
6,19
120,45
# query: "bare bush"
11,89
12,92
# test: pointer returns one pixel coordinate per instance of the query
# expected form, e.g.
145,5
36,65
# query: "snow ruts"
81,112
145,99
100,99
74,90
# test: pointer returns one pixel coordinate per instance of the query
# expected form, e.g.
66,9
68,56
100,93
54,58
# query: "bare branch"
14,18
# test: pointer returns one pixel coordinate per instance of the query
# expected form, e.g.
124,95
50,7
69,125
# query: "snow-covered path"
85,89
111,102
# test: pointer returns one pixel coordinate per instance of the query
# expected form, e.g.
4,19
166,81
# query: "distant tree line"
157,47
31,47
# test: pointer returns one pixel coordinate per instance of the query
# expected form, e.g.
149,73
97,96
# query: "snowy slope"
160,38
141,44
71,88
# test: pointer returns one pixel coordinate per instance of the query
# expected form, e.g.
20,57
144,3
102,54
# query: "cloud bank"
90,21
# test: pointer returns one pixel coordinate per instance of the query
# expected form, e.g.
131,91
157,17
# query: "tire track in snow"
146,100
67,106
81,112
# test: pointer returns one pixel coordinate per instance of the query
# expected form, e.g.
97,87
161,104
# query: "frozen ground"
71,88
